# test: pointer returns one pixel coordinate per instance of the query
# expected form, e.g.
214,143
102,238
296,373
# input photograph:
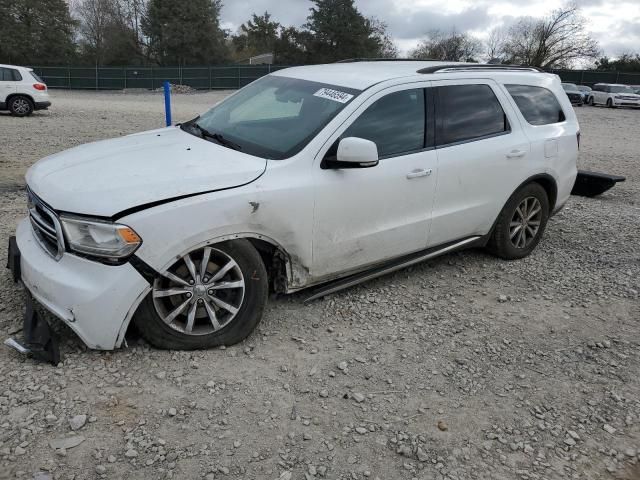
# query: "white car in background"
613,95
317,176
22,91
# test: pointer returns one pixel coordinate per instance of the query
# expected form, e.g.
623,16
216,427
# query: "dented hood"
110,176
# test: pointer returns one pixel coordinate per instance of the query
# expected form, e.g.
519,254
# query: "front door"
366,215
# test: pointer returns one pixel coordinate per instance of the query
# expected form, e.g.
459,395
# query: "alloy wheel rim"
21,106
201,293
525,223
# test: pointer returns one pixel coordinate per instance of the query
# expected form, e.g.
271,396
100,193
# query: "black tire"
609,103
162,335
20,106
591,102
500,243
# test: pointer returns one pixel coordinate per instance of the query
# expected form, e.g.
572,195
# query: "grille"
46,226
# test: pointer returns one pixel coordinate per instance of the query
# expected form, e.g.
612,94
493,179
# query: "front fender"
171,230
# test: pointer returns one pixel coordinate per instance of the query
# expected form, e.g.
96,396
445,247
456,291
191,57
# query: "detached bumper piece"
39,340
591,184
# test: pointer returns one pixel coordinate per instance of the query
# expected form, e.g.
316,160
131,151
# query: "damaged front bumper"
95,300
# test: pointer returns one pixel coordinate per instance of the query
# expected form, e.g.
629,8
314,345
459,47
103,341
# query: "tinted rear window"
9,75
539,106
469,112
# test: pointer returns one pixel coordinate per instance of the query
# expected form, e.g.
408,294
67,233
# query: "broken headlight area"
102,240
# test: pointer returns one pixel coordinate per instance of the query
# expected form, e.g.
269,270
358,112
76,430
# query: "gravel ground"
465,367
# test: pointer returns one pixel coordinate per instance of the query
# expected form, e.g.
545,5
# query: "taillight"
39,86
578,138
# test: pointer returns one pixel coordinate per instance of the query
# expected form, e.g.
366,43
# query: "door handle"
419,172
516,154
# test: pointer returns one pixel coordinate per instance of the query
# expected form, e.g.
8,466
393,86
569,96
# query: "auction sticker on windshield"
335,95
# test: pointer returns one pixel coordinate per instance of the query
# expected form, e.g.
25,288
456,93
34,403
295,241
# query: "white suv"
613,95
322,175
22,91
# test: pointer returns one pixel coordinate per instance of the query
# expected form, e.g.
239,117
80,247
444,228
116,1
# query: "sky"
614,23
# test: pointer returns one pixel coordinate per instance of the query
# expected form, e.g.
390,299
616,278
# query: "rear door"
600,94
8,84
483,155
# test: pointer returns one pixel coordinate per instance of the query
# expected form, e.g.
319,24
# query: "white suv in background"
22,91
318,176
613,95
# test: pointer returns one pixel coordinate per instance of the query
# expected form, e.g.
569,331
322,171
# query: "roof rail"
478,66
364,59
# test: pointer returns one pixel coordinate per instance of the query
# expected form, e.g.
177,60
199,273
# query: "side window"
395,123
16,75
4,75
538,105
468,112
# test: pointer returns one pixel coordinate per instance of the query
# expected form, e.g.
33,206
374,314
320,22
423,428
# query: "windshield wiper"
218,137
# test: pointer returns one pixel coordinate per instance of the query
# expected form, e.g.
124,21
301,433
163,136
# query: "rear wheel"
212,296
20,106
521,223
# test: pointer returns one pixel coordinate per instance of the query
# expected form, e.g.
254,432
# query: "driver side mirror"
353,152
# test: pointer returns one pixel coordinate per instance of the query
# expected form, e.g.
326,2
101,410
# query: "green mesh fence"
120,78
231,76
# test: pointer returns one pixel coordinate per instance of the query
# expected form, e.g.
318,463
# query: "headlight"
618,97
100,238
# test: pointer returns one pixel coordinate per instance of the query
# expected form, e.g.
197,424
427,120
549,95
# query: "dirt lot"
466,367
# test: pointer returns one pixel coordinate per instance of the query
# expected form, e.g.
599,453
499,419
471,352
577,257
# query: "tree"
107,34
627,62
557,40
291,47
185,33
338,31
258,35
453,47
36,32
495,45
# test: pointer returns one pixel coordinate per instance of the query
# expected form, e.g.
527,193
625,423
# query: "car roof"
361,75
2,65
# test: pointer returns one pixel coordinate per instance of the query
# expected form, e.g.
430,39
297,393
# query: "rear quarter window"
538,105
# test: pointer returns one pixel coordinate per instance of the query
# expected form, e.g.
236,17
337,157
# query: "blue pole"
167,103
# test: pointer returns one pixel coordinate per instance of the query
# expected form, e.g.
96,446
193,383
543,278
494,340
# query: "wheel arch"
17,94
546,181
286,273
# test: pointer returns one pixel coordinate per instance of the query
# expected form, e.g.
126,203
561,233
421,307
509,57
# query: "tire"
238,262
20,106
506,244
609,103
592,102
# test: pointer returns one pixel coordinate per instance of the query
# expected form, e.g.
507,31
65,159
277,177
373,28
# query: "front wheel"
610,103
521,223
591,102
212,296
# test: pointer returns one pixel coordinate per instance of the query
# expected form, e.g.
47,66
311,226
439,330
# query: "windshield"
620,89
274,117
570,87
584,88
